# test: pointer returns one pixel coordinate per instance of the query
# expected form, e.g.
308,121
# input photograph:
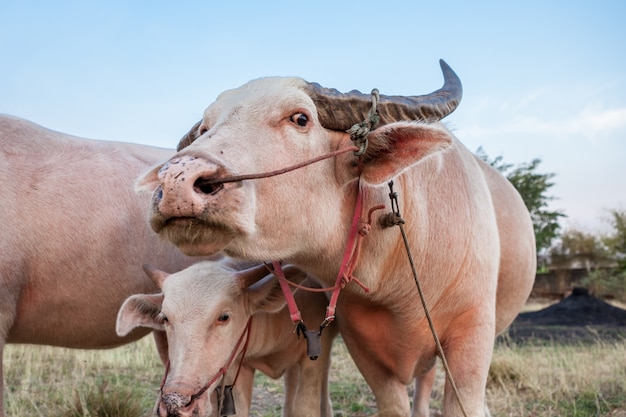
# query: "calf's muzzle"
176,405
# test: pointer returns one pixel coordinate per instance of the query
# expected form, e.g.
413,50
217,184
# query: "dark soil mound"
579,309
577,318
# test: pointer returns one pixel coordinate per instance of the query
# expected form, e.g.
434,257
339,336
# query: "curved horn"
189,137
339,111
252,275
156,275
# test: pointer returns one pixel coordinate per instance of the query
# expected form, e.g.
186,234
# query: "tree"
576,248
611,281
533,187
616,241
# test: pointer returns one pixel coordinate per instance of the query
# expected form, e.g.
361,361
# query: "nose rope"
222,371
358,134
233,354
237,178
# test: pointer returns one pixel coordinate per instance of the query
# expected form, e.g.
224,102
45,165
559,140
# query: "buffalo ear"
397,146
139,310
148,182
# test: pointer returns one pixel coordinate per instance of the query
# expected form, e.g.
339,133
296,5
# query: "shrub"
608,283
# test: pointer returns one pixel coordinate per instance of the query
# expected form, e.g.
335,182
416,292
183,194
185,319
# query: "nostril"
207,186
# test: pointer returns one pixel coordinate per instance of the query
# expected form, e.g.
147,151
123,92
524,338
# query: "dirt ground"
580,317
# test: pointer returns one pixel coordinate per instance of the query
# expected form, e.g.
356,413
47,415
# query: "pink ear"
149,181
397,146
139,310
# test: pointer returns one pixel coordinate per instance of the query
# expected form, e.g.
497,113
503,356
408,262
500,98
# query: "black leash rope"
395,219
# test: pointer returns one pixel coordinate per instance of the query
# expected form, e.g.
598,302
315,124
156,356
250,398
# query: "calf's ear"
139,310
265,295
397,146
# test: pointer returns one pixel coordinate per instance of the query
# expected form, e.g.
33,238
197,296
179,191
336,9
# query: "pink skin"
73,237
204,311
468,230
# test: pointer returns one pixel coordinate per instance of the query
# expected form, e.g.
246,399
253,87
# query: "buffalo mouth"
188,225
195,236
182,222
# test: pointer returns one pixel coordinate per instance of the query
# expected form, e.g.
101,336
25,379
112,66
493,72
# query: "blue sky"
541,79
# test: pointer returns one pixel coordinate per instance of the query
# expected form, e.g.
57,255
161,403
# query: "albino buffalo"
73,237
469,233
205,311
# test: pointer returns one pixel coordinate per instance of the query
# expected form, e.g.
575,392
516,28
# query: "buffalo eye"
223,317
299,119
202,130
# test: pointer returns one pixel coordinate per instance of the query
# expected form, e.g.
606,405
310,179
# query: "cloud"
525,117
612,119
591,124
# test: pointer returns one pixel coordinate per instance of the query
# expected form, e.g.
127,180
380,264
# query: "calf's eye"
300,119
224,317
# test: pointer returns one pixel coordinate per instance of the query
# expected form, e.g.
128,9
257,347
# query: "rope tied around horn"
359,131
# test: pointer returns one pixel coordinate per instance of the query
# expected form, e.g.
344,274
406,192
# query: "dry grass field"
527,380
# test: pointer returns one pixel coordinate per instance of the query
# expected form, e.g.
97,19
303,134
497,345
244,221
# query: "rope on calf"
395,219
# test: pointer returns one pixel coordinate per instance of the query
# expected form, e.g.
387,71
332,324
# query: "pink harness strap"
294,312
350,257
358,230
